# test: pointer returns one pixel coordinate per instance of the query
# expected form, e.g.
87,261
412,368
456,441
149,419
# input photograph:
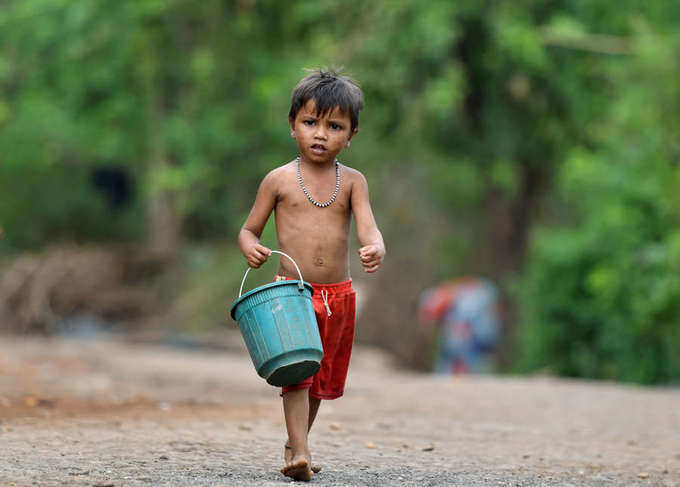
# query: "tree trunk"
508,223
163,222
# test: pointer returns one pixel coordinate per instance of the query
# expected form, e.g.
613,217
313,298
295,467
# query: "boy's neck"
317,164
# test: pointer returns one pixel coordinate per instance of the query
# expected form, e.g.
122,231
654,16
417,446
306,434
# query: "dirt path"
103,412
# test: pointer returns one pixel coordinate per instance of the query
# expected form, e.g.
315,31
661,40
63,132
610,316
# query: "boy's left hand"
371,257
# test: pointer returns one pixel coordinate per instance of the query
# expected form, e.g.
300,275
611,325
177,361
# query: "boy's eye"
308,122
335,126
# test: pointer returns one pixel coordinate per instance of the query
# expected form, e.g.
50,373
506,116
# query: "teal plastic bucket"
279,328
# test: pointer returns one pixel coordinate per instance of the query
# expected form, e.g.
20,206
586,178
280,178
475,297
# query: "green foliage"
193,99
64,205
601,296
132,84
486,116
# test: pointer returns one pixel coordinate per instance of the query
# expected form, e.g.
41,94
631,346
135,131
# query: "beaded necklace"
309,197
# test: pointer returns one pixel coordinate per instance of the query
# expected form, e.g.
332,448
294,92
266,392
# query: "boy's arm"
249,236
372,249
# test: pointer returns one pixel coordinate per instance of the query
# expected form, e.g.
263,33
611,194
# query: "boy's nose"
320,132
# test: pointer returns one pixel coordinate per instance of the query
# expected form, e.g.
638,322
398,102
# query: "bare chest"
315,200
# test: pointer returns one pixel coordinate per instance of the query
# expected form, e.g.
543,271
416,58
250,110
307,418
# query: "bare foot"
298,469
288,456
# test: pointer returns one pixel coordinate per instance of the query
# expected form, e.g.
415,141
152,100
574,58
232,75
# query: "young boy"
313,198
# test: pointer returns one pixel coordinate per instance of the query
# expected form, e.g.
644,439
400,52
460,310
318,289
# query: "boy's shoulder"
354,173
278,174
354,176
284,168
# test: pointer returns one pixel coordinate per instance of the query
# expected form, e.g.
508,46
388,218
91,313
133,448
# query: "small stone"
665,471
244,427
163,457
335,426
525,456
370,445
103,484
81,472
581,472
428,448
31,401
643,475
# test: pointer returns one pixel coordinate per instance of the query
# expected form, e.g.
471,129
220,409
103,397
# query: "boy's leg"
314,404
296,408
340,335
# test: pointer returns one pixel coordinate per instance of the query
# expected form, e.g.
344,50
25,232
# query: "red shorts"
337,336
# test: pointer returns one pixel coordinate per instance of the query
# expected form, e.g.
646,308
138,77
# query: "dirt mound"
38,290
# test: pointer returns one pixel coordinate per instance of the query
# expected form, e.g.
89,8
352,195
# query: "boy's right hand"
257,255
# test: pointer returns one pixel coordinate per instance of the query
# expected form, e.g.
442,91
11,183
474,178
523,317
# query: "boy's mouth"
318,148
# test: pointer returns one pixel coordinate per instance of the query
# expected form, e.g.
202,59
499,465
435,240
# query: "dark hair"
329,90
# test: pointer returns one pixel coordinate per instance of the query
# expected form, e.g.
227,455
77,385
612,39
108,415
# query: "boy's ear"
291,122
354,132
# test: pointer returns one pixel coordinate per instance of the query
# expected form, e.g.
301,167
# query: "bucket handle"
301,285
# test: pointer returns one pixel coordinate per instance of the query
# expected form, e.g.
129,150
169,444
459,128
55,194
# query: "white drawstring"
324,296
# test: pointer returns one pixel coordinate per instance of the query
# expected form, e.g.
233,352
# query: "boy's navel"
319,261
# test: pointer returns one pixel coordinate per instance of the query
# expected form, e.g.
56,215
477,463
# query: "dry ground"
108,412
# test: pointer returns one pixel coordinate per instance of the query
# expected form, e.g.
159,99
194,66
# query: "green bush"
600,297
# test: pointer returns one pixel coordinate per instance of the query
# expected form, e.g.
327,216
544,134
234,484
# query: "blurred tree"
473,94
601,297
164,88
469,91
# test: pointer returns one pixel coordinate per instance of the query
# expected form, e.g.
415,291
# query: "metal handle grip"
301,285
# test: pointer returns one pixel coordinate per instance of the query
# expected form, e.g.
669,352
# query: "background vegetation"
533,142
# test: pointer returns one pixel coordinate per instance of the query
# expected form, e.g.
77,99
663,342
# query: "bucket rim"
290,282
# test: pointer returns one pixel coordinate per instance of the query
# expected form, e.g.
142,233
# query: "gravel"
108,412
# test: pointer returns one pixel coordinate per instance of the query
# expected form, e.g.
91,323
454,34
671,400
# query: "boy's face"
321,138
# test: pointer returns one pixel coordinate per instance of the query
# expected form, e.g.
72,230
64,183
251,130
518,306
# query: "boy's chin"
320,158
